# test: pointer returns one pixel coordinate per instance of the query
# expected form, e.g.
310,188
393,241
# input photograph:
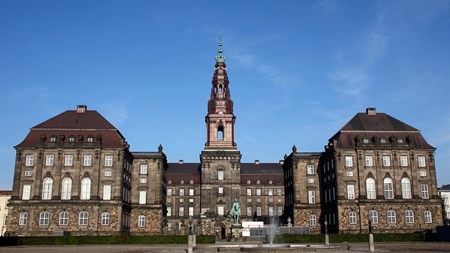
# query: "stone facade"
4,210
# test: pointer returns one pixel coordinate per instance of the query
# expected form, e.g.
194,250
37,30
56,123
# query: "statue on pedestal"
236,211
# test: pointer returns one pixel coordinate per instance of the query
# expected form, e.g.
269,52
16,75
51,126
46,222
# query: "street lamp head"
326,223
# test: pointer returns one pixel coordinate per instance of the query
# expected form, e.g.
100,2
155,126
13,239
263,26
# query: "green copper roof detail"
220,57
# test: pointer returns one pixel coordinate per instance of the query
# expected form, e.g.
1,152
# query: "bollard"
371,244
327,239
194,240
190,243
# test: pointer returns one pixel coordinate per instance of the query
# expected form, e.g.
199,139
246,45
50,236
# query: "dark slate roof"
377,122
261,169
70,119
445,187
183,171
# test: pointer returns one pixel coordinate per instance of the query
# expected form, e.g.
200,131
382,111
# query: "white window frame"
352,220
386,161
220,189
108,173
371,188
422,173
181,191
143,169
258,211
373,216
141,221
191,211
29,160
270,210
349,161
44,218
409,216
23,219
369,161
270,192
249,192
391,217
310,169
105,219
191,192
66,188
181,211
311,196
406,188
388,186
47,188
220,175
350,191
424,191
169,192
26,192
63,218
428,217
49,160
83,218
142,197
249,211
108,160
403,161
169,211
68,160
421,161
85,189
87,160
107,192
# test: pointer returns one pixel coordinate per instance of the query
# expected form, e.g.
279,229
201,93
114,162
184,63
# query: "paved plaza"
422,247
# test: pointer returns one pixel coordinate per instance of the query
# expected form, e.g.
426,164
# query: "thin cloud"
326,6
115,112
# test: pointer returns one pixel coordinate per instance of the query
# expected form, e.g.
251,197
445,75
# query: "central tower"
220,159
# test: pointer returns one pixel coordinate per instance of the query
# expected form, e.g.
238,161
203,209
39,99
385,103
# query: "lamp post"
327,238
190,224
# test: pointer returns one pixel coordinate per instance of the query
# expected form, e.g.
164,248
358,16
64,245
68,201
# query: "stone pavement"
422,247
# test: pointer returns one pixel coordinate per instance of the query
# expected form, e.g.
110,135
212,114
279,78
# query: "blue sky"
298,70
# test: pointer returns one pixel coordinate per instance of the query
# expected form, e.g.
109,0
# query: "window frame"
83,218
105,220
64,218
352,220
409,216
391,217
44,218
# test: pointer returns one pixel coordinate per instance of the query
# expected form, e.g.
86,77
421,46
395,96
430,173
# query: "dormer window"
365,140
270,182
400,140
90,138
181,181
248,181
258,182
53,138
71,138
383,140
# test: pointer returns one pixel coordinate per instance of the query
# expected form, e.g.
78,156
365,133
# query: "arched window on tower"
220,88
220,133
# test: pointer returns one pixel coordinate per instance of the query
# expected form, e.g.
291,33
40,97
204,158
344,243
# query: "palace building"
75,174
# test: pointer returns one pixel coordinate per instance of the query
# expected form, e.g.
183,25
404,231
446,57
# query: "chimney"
81,108
257,162
180,162
371,111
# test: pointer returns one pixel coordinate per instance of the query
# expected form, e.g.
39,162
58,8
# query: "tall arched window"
373,216
370,188
66,189
428,217
312,220
352,217
47,186
85,188
406,188
23,219
220,133
388,188
64,218
83,218
105,218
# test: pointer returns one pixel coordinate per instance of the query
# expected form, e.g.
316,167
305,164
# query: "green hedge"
79,240
337,238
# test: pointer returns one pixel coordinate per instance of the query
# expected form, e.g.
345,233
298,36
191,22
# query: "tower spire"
220,57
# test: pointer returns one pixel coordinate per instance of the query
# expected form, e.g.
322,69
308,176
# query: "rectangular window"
143,169
141,221
142,197
28,173
403,161
310,169
369,161
350,191
249,192
191,211
49,159
270,192
270,210
349,173
423,173
108,173
348,161
87,160
143,180
280,210
258,211
386,161
29,160
249,211
280,192
310,180
169,211
258,192
68,160
108,160
424,191
26,193
421,161
220,210
191,192
181,192
311,197
106,192
220,190
220,175
169,192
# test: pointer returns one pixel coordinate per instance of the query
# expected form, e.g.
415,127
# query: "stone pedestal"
327,239
190,243
371,244
194,240
236,231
